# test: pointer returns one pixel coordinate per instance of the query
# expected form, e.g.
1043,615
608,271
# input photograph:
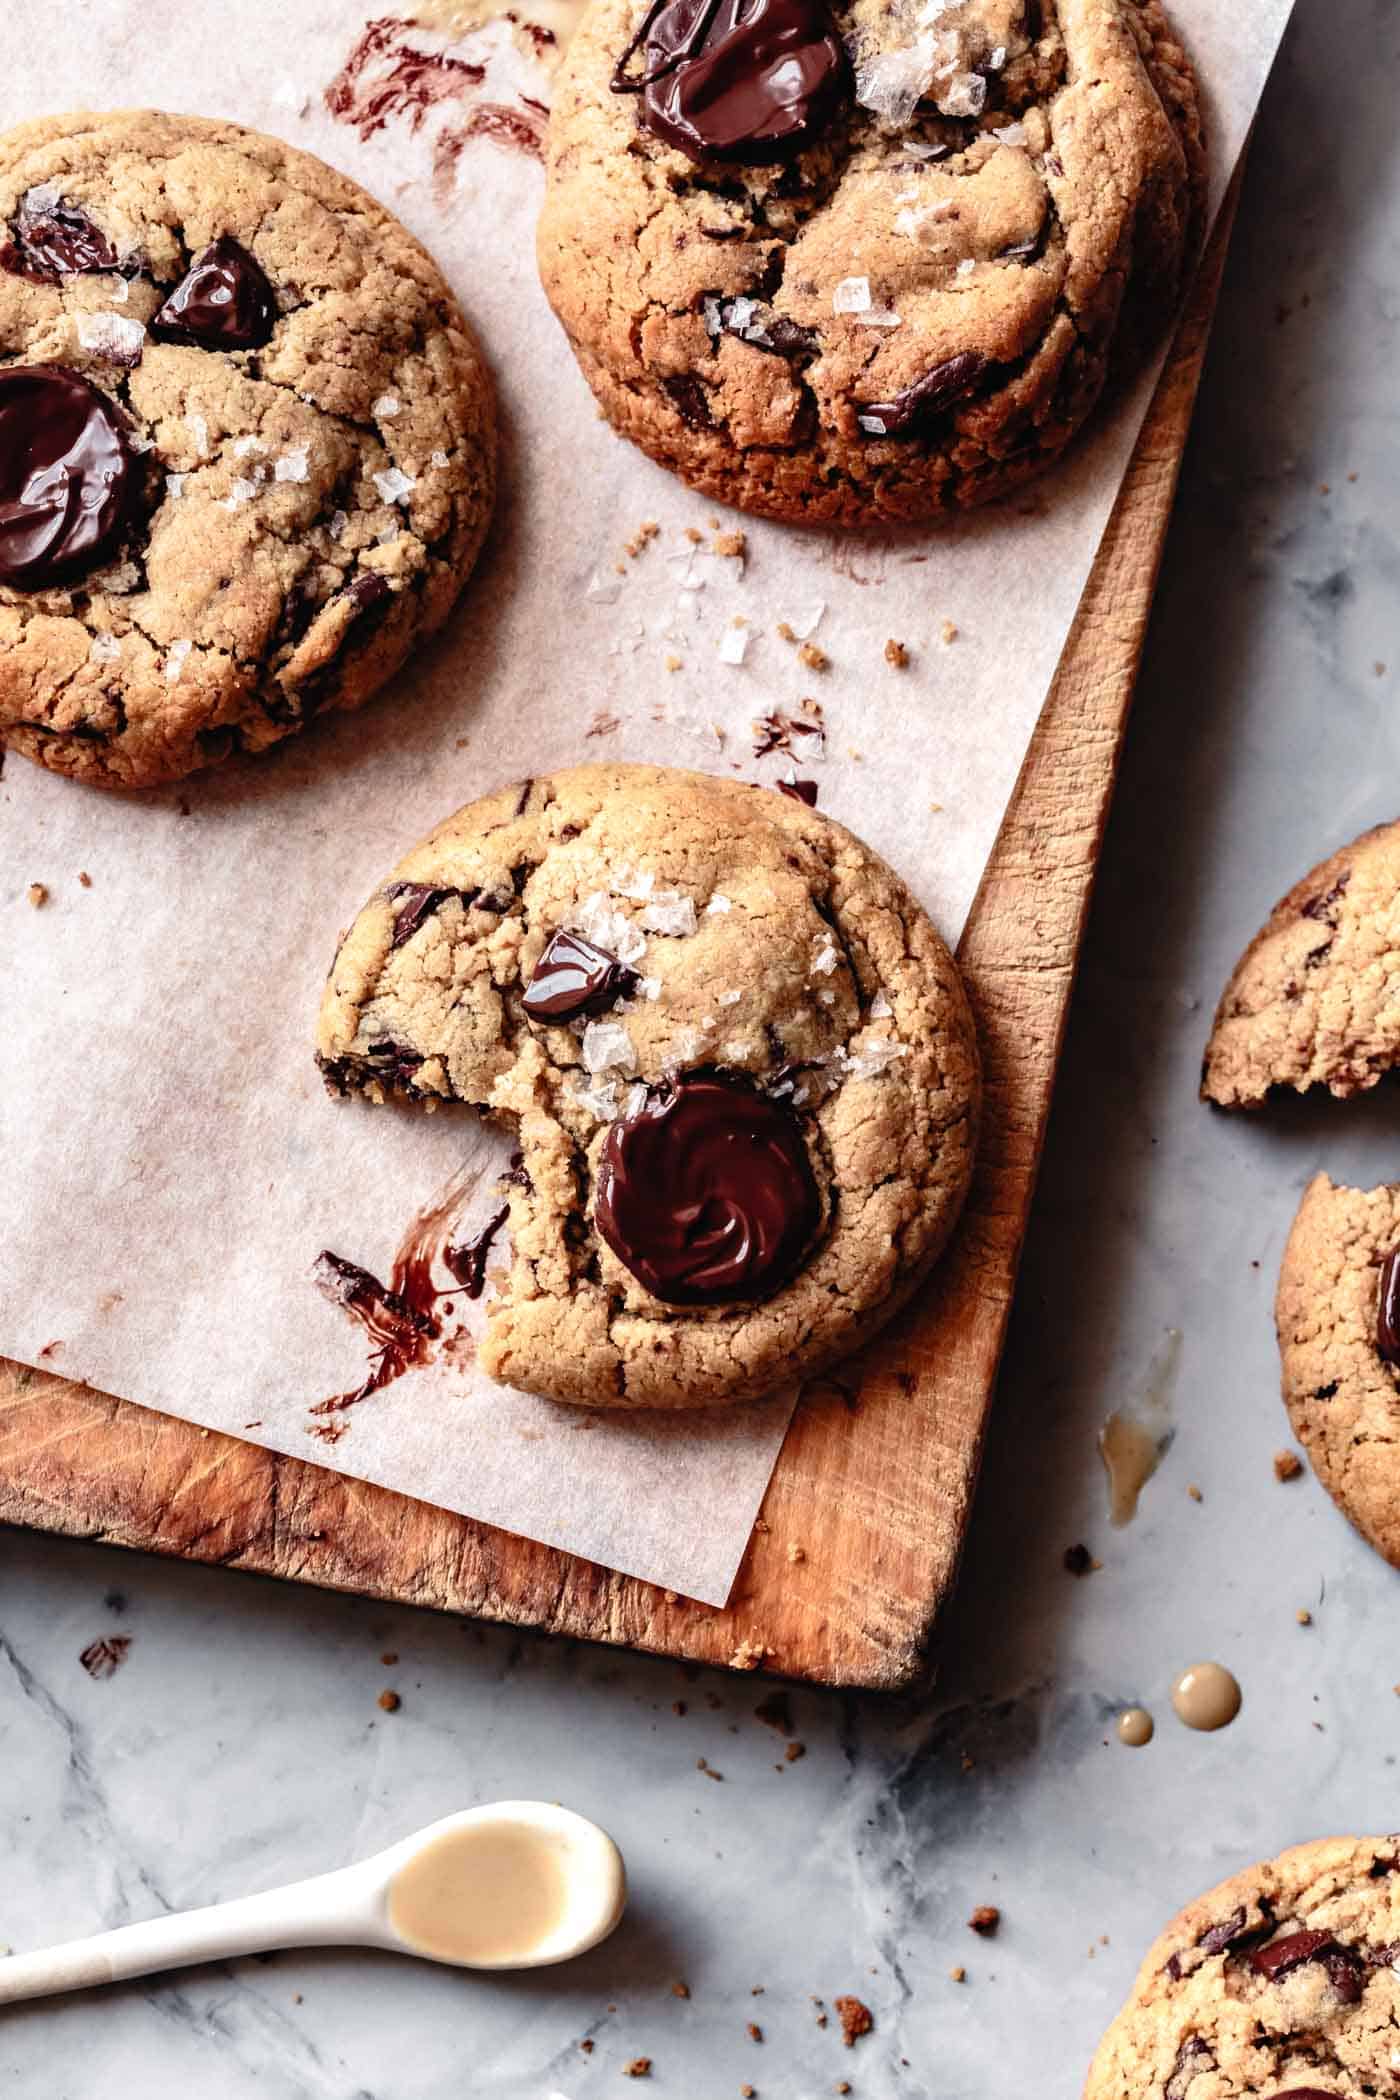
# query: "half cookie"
738,1058
871,261
1338,1315
1315,998
1278,1985
247,444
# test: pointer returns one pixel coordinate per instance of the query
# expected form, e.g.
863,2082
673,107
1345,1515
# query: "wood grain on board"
858,1543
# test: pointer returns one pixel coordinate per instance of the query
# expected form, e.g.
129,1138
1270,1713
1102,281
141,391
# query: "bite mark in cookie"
869,262
738,1059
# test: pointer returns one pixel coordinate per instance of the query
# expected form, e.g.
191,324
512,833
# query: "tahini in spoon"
514,1885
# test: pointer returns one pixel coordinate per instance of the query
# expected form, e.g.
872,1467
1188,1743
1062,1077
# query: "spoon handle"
317,1913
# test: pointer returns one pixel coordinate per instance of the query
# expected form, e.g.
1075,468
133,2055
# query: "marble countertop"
241,1743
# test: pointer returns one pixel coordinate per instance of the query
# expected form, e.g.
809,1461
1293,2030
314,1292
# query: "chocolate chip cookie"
738,1058
865,261
1315,998
1278,1985
1338,1316
246,444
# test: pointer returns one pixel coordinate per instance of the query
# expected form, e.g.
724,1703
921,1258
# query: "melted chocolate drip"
413,902
737,80
223,301
59,240
707,1193
394,1316
1388,1310
573,977
468,1261
66,476
915,406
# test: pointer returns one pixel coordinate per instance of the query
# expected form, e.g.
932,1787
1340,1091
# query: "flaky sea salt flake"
113,336
733,645
199,431
393,484
292,465
607,1047
386,407
670,912
825,959
175,661
880,1008
851,296
717,904
104,649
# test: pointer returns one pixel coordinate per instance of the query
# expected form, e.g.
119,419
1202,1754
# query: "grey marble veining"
241,1744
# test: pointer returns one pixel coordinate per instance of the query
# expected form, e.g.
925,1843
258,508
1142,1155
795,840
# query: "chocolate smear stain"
1132,1446
404,1318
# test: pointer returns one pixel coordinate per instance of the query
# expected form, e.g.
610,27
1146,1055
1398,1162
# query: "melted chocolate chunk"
573,977
737,80
399,1329
1344,1968
915,406
800,791
57,240
413,902
1223,1935
66,476
1388,1310
223,301
468,1262
1193,2059
707,1194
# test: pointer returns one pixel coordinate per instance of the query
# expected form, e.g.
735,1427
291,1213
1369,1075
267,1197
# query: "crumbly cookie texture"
1342,1396
1225,2008
764,941
308,510
1315,998
1007,195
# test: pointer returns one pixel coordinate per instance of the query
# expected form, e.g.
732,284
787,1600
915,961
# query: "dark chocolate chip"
1280,1957
707,1193
689,396
800,791
66,476
572,977
1223,1935
468,1262
737,80
1321,907
223,301
1193,2059
916,405
1388,1310
58,240
414,902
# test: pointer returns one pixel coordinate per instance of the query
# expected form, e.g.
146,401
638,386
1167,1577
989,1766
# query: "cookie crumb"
949,632
843,2085
586,2045
856,2019
390,1702
958,1975
84,878
1287,1465
812,658
675,663
1080,1561
896,655
1304,1618
640,2067
708,1770
694,535
389,1658
785,632
1194,1492
794,1751
985,1919
680,1990
733,545
754,2031
37,894
747,2092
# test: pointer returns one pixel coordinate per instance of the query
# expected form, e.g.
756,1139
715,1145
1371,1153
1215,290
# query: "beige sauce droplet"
559,18
1206,1696
483,1893
1135,1727
1131,1455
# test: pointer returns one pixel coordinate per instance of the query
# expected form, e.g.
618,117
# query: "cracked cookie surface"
1315,998
916,310
759,951
1277,1983
1342,1394
304,510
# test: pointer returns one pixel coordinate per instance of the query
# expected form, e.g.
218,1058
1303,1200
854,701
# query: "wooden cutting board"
857,1546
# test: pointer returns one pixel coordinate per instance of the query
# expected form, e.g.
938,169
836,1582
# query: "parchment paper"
171,1165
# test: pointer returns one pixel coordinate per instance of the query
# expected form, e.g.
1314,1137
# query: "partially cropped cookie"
1315,998
1278,1985
738,1059
247,444
866,261
1338,1316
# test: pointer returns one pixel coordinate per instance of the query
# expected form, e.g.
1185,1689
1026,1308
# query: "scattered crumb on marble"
812,658
708,1770
640,2067
733,545
84,878
680,1990
754,2031
985,1919
103,1658
856,2019
675,663
896,655
1080,1561
389,1658
1287,1465
390,1702
1304,1618
38,894
958,1975
949,631
794,1751
1194,1492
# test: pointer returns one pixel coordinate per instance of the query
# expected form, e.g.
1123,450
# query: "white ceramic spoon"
514,1885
